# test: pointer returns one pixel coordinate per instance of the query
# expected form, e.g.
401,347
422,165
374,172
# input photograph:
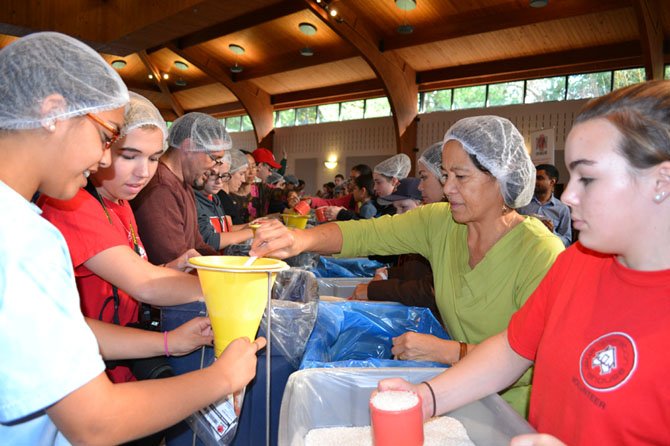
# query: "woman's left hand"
413,346
181,262
190,336
536,440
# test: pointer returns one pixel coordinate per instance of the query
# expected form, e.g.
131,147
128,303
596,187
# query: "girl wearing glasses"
110,264
215,226
53,389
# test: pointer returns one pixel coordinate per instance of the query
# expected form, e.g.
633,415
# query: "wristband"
165,344
433,395
463,350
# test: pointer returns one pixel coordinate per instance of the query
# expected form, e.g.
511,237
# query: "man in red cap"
260,193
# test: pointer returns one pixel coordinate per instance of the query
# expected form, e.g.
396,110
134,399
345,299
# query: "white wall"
374,137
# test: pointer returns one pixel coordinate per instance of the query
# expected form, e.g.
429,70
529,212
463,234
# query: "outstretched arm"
273,239
100,412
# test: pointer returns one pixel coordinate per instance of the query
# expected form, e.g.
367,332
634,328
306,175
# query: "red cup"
321,214
302,208
393,426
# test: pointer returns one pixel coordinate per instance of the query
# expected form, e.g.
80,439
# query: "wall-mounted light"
331,163
538,3
118,64
237,50
405,5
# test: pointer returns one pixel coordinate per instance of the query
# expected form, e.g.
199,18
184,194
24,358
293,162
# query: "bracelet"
432,393
463,350
165,344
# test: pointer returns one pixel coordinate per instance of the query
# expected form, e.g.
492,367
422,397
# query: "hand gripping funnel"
235,295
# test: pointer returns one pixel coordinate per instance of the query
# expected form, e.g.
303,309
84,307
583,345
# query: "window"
377,107
305,115
246,123
547,89
233,123
436,100
589,85
285,118
352,110
505,94
469,97
623,78
328,113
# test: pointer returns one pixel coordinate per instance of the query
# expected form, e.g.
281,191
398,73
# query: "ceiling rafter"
489,19
397,77
337,93
255,101
651,35
174,103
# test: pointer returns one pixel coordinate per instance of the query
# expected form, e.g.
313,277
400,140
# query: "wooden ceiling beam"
174,103
240,23
223,110
255,101
335,93
604,57
649,16
489,19
397,77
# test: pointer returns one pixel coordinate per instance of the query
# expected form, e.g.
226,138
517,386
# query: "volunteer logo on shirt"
608,362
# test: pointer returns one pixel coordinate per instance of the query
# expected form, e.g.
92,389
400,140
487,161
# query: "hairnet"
141,112
398,166
431,158
274,178
206,134
238,161
499,147
42,64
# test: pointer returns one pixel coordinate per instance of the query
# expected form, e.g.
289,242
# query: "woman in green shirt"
486,258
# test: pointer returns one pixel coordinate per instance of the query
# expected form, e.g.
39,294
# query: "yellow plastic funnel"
235,295
295,220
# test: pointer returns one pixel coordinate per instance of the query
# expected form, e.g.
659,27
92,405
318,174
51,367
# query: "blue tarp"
359,334
345,267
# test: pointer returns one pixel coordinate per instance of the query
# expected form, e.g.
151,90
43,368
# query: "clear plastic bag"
294,310
216,424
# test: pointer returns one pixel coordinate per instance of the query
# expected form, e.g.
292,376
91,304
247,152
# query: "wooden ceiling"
357,53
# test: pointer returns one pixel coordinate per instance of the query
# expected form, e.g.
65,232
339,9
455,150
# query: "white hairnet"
499,147
398,166
238,161
141,112
274,178
43,64
205,133
431,158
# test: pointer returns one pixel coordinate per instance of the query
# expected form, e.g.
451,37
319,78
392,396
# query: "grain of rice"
395,400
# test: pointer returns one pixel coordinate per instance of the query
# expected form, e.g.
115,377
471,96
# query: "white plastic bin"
339,286
316,398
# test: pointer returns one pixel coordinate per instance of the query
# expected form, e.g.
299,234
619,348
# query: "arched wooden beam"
651,36
174,103
398,78
255,101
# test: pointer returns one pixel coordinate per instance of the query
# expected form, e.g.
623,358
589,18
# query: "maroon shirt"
167,219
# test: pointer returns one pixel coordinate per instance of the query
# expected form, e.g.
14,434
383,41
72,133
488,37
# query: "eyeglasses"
221,176
217,161
109,141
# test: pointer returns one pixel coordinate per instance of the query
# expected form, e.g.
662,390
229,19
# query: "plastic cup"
235,296
321,214
396,427
302,208
295,220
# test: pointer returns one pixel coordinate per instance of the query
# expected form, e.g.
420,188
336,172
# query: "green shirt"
475,303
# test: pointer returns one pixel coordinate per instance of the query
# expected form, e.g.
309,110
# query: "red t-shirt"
88,232
598,333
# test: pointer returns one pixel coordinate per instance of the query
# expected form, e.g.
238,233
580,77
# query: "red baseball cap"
265,156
